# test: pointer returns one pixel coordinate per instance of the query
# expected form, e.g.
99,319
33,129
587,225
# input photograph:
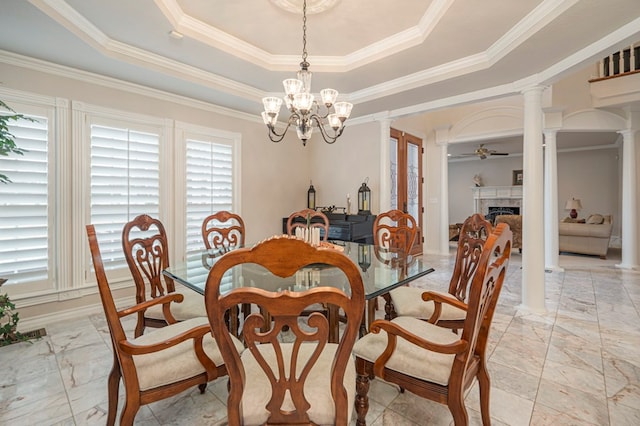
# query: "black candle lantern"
364,257
311,197
364,198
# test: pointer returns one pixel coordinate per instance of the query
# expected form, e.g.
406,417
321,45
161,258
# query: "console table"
344,227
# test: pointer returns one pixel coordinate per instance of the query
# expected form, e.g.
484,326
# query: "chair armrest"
438,299
394,331
164,300
196,333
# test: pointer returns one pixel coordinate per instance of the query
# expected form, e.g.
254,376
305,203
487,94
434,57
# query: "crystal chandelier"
305,110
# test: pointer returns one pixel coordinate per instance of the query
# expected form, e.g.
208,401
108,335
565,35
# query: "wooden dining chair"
163,362
146,249
223,230
308,215
295,377
408,301
395,230
430,361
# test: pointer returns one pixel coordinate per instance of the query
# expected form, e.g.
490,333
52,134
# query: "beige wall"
339,169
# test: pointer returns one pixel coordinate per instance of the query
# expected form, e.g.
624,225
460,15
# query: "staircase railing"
625,61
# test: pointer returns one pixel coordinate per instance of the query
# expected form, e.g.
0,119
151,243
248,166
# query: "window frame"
186,131
53,109
84,116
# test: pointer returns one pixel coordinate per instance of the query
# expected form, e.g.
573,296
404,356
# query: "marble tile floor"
576,364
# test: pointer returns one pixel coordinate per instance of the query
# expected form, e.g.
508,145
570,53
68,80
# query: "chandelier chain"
304,64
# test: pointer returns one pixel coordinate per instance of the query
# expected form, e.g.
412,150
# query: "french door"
406,179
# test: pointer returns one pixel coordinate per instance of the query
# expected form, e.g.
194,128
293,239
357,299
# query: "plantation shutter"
209,177
24,205
124,184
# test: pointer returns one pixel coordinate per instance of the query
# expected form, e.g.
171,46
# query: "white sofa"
591,237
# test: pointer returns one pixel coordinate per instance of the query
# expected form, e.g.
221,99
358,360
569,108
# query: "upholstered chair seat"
409,359
408,303
184,362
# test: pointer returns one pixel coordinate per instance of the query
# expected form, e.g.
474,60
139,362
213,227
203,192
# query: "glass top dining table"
381,270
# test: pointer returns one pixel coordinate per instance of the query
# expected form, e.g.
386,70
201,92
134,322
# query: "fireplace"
494,211
491,201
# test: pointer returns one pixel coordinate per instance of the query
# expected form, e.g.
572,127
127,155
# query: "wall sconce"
311,197
364,199
364,257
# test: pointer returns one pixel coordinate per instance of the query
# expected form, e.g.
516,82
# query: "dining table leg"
334,322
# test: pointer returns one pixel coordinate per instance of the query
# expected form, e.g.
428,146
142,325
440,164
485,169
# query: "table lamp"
573,205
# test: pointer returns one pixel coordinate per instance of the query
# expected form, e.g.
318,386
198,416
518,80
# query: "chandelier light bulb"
292,86
272,104
334,121
303,102
329,97
343,110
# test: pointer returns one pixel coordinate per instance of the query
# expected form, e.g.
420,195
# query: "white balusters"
611,69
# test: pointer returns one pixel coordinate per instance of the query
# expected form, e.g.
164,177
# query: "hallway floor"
578,363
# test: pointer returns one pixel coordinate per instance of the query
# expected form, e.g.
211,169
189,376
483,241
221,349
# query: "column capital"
533,89
627,133
442,135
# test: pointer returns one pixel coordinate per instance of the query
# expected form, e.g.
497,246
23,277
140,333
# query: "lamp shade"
573,204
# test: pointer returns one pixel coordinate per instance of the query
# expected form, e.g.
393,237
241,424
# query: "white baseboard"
41,321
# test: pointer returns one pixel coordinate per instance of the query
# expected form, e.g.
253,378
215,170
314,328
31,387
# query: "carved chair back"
473,235
484,291
308,215
395,229
146,249
286,401
223,230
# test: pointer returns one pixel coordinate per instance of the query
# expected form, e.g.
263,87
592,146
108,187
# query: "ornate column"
629,202
551,233
532,203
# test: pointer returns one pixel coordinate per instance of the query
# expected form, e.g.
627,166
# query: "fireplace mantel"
501,196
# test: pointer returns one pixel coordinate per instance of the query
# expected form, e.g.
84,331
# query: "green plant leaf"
7,139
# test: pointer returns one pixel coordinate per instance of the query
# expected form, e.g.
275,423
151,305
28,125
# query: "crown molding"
14,59
61,12
391,45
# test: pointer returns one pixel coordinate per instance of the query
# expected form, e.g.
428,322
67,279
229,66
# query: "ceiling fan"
483,152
